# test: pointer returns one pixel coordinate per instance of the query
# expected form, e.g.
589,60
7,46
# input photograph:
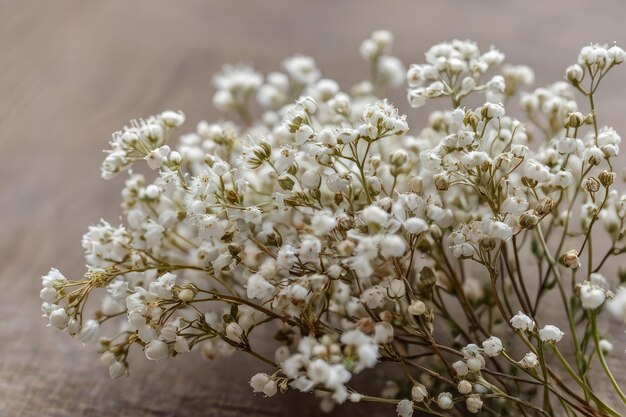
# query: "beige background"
71,72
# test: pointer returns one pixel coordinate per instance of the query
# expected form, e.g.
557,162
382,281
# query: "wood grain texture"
71,72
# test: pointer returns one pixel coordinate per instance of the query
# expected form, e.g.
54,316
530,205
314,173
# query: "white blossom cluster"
326,223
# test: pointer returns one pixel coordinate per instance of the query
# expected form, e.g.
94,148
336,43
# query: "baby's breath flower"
550,333
319,218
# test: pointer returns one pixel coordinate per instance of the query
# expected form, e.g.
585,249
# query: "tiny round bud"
186,295
570,259
152,191
605,346
441,183
386,316
574,74
445,401
528,220
417,308
175,158
464,387
419,393
474,403
399,157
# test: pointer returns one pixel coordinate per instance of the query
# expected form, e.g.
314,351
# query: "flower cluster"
354,242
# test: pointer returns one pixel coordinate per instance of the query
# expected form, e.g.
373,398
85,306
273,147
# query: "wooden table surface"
71,72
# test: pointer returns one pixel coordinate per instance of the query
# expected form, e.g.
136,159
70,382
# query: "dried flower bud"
606,178
441,183
570,259
592,185
528,220
366,325
545,206
386,316
427,277
575,120
416,184
286,182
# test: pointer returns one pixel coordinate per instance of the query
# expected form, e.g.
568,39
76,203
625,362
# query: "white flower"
536,171
550,333
88,331
501,231
445,401
375,215
323,223
605,346
405,408
262,383
591,296
415,225
173,118
156,350
259,287
234,332
521,321
461,368
392,246
417,308
302,69
464,387
419,392
492,346
474,403
157,156
562,179
530,360
59,318
617,306
163,285
117,370
383,332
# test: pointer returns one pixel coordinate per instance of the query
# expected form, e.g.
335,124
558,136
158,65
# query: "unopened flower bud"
445,401
427,277
416,184
366,325
386,316
186,295
419,392
473,403
464,387
399,157
575,120
441,183
574,74
570,259
545,206
528,220
374,185
417,308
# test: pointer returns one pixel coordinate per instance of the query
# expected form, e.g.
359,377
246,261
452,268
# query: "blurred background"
72,72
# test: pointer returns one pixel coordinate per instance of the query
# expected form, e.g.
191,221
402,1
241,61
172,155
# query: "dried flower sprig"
324,222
